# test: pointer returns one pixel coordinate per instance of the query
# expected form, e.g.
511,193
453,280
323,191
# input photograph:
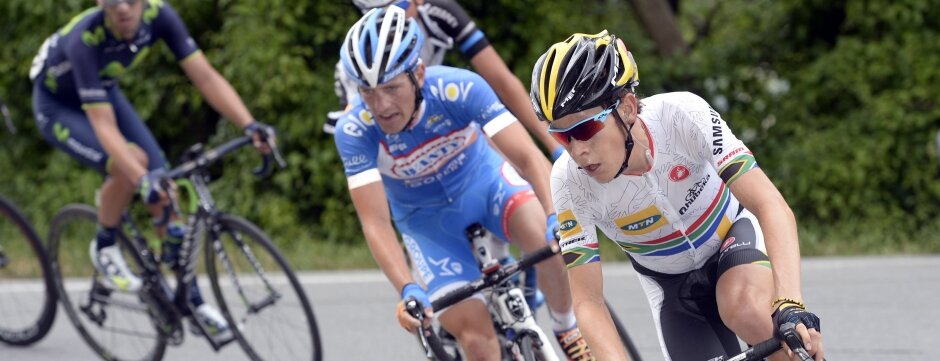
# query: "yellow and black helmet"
582,72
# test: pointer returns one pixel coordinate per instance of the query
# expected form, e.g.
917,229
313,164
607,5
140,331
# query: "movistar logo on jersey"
152,11
642,222
61,133
93,37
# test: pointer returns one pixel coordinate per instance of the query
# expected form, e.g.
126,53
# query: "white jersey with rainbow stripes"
672,218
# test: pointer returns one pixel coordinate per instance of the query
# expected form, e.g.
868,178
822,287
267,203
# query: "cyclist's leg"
67,127
745,282
444,261
143,143
475,334
686,317
521,221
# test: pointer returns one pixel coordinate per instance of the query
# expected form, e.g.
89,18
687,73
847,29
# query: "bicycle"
520,338
248,275
23,321
23,257
767,347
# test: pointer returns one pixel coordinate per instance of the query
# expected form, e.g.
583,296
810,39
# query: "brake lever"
793,341
414,308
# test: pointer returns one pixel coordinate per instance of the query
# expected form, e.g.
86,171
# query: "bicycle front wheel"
532,348
259,294
28,304
624,336
116,325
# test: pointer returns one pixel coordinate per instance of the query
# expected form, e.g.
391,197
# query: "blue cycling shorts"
66,126
435,237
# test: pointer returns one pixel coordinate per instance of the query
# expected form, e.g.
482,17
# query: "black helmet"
582,72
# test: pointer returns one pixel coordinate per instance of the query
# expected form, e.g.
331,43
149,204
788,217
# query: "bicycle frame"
506,302
172,305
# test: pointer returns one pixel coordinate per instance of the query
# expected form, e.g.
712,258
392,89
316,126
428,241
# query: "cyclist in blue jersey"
669,183
80,109
447,26
416,154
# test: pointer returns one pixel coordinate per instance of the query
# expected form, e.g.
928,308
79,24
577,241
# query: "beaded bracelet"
782,300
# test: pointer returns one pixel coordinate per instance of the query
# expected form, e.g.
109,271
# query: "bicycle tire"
35,328
231,226
624,336
532,348
76,223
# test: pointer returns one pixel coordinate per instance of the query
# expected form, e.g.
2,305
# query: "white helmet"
381,45
366,5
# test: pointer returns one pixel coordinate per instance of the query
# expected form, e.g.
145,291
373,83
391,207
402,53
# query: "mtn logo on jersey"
451,91
679,173
429,157
642,222
567,224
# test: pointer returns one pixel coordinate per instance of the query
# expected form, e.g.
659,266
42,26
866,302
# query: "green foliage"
837,99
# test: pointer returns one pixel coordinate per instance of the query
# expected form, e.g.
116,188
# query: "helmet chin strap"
627,144
418,98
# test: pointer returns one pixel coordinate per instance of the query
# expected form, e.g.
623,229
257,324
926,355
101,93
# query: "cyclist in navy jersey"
80,109
447,26
415,154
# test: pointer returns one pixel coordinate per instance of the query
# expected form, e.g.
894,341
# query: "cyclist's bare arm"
104,122
375,217
759,195
516,145
512,93
587,292
216,89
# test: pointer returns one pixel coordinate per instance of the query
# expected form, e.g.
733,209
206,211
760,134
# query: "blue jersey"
83,58
431,163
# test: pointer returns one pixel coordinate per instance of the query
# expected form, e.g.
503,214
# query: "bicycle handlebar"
495,278
767,347
212,155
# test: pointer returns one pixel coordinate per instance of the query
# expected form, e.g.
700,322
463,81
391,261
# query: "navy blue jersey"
83,58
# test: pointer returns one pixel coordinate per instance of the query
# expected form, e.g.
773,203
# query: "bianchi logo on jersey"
642,222
431,156
451,91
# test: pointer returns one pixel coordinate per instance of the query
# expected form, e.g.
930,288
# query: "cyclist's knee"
478,345
744,309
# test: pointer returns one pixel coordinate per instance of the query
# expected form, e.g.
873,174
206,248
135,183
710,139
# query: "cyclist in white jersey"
669,183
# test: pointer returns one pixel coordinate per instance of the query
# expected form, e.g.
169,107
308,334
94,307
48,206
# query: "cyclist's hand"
150,188
807,327
405,319
261,135
551,228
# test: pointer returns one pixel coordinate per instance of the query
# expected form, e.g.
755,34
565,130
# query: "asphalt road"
872,308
